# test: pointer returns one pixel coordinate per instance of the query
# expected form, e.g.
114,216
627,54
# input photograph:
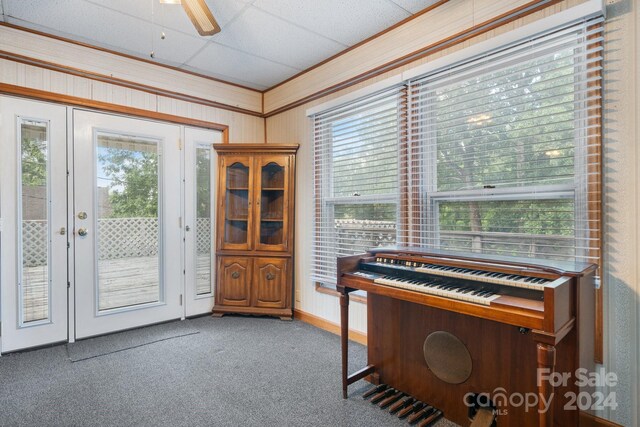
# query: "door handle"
82,232
270,276
235,275
62,231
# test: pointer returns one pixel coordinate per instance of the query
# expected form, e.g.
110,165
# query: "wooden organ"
519,319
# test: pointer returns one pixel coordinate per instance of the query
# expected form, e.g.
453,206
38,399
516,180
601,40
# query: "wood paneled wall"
95,62
242,127
445,22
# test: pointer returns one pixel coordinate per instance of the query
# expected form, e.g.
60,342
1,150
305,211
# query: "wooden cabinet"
254,244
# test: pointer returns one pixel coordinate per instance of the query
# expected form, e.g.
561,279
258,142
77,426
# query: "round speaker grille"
447,357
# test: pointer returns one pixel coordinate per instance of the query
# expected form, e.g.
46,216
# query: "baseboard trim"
326,325
588,420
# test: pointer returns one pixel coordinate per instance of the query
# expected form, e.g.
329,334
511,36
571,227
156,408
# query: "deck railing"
356,236
138,237
118,237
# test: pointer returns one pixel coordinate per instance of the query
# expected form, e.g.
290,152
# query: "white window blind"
503,152
500,154
355,180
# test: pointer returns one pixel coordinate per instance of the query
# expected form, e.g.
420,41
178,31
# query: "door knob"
62,231
82,232
270,276
82,215
235,275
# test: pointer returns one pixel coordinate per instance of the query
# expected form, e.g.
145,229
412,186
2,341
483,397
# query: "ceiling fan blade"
201,17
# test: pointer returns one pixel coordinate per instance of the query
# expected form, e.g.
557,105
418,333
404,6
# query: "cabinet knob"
270,276
235,275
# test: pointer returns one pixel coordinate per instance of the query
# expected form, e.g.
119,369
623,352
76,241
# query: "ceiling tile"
130,35
335,18
261,34
232,65
262,41
172,15
414,6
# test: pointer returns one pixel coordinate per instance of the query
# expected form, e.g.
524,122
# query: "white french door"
106,222
200,163
127,228
33,237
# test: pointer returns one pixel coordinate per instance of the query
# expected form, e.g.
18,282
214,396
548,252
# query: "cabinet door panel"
235,226
234,275
272,202
271,288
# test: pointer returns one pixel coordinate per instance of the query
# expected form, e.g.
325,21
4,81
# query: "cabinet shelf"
272,188
238,219
271,219
237,188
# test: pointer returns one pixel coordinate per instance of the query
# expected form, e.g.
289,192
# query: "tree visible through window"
499,154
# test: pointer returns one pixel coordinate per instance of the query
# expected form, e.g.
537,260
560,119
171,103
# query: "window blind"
355,180
502,153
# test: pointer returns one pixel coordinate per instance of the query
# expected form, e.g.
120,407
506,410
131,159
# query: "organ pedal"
403,405
431,419
417,416
391,399
374,390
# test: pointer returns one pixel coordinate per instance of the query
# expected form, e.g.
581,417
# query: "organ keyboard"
493,301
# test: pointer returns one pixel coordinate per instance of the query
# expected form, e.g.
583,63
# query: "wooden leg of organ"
344,338
344,335
546,362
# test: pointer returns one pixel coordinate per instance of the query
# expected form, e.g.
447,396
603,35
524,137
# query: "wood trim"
264,121
357,45
594,192
328,291
257,148
112,108
476,30
124,55
124,83
586,419
328,326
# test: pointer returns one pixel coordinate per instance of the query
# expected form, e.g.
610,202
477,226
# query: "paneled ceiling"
262,42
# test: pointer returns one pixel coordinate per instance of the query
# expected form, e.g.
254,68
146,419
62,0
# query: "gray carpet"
234,371
101,346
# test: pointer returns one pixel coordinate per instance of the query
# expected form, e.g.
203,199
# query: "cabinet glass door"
272,206
236,184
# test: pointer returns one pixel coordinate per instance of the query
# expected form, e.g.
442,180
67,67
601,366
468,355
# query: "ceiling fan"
200,15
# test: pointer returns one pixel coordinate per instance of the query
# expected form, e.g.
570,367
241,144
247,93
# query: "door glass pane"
35,248
203,220
237,204
272,204
128,216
